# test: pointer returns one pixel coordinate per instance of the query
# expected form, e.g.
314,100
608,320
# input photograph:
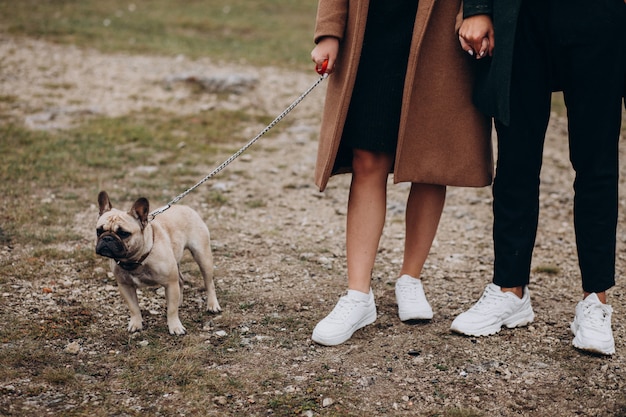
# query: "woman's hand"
476,35
325,50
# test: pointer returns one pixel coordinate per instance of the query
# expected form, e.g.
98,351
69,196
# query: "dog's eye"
123,233
99,231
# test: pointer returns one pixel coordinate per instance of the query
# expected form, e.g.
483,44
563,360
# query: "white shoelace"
490,298
342,310
595,315
409,291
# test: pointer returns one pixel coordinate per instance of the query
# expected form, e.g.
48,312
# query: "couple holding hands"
415,86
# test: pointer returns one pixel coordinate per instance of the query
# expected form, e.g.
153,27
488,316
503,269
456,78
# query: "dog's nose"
104,250
109,246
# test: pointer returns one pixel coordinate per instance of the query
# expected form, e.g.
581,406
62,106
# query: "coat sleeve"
474,7
332,16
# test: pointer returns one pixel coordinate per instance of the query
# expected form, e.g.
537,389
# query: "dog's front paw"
135,325
177,328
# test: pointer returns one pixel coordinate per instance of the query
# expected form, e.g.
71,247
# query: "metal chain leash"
240,151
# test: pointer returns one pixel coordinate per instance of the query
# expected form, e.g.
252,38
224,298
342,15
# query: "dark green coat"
493,78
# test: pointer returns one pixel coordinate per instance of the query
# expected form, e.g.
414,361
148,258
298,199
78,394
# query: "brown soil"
280,268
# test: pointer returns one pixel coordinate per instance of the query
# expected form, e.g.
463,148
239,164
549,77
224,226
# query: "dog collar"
132,265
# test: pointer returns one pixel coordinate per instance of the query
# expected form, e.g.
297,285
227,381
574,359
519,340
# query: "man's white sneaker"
493,310
353,311
592,326
412,303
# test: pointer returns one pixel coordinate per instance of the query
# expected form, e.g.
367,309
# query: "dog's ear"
103,202
140,211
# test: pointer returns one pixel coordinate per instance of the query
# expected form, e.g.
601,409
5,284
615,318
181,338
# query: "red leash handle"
322,70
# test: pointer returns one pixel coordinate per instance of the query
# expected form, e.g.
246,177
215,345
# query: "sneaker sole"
513,322
339,339
606,349
602,350
415,315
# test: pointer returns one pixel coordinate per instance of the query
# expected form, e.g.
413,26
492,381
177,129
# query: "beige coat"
442,139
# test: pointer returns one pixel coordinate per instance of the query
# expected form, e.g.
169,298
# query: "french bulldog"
147,253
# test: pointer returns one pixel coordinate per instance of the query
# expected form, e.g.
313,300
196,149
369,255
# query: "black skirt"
373,117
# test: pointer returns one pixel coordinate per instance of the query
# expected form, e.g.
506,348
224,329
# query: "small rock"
221,400
366,381
72,348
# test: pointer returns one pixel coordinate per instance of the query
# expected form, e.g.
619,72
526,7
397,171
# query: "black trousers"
576,46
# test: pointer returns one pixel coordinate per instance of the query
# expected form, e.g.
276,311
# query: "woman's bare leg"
423,211
367,205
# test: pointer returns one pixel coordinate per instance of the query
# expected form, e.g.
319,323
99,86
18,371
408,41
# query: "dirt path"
285,262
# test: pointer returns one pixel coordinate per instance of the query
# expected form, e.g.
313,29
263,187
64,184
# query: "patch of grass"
26,358
276,32
9,99
457,412
59,86
441,367
558,104
547,269
5,237
58,375
255,203
67,325
217,198
291,405
80,259
168,366
48,177
247,305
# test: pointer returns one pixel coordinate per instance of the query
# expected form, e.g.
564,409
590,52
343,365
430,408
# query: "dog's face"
120,234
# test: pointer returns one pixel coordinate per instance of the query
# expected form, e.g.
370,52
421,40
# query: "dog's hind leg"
204,258
181,282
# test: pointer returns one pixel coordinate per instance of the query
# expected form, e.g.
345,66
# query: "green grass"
269,32
547,269
47,176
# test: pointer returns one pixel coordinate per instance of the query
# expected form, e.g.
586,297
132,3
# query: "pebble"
72,348
221,400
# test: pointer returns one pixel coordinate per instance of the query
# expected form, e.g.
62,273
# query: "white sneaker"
412,303
353,311
592,326
493,310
